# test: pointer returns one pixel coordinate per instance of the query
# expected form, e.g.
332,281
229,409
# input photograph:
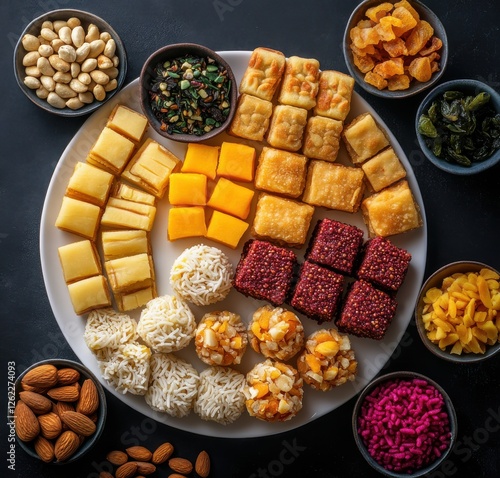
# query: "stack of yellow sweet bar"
115,190
206,197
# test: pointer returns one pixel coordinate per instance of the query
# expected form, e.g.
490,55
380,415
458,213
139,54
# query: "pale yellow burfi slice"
134,300
89,183
111,151
151,167
130,273
124,243
79,260
128,122
89,294
128,214
79,217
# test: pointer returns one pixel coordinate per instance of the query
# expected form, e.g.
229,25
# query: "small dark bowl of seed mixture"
188,92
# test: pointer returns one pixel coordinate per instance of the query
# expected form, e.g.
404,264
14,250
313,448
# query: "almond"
162,453
145,468
176,475
127,470
44,449
43,376
88,402
117,457
30,388
67,376
61,407
66,393
66,445
50,425
202,464
180,465
38,403
139,453
79,423
105,474
27,426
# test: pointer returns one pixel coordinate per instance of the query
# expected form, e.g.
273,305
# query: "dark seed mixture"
190,95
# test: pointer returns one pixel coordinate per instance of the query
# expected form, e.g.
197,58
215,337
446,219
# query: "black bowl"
89,442
471,87
405,375
86,18
435,280
415,86
170,52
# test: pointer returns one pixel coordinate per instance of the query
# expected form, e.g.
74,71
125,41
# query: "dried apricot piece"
395,48
420,69
407,21
436,45
375,80
363,63
398,82
379,11
389,68
418,37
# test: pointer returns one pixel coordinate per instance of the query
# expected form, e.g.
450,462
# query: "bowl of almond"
60,410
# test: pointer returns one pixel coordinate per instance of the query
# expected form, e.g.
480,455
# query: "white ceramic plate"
371,355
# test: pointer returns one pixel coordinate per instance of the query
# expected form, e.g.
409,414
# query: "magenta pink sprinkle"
404,425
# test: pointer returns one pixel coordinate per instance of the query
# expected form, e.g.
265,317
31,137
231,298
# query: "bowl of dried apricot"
60,410
457,312
395,49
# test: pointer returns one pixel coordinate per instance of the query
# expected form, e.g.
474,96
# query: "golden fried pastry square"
391,211
322,138
334,186
287,127
251,118
383,169
364,138
281,172
300,82
263,73
334,95
283,221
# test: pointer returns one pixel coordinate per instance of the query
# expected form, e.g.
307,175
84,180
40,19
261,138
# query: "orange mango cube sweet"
187,189
201,158
231,198
237,162
186,222
226,229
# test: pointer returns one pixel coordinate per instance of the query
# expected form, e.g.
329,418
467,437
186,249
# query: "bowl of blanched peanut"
457,312
69,62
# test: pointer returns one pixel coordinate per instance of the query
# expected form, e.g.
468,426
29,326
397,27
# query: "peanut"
30,42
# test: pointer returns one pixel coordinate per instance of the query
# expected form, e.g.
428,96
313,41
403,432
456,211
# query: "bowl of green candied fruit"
188,92
458,127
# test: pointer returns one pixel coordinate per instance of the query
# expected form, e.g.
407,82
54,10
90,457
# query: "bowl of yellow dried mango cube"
457,312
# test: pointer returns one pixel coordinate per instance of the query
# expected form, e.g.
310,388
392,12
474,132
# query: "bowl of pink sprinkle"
404,424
